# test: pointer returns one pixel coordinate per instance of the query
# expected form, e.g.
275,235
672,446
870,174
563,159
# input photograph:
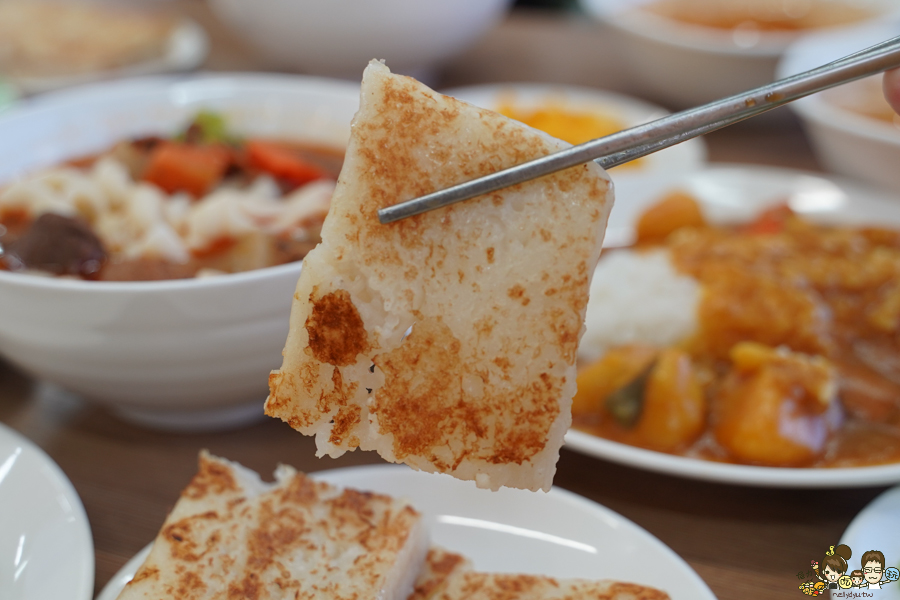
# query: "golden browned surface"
439,566
336,332
797,345
231,536
491,586
494,290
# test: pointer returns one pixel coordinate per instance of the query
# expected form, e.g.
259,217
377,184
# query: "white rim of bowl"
53,282
836,117
186,48
660,29
226,81
828,114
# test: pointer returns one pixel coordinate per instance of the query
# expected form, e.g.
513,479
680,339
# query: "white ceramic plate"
46,549
631,111
186,49
875,528
729,194
558,534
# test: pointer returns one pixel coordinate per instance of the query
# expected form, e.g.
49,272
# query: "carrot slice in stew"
190,168
281,161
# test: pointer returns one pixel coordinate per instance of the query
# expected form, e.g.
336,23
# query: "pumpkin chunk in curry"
795,360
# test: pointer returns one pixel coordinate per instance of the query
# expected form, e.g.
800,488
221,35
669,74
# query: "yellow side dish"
571,124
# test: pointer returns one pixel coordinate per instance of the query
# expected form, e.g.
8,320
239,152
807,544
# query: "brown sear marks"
337,396
416,410
280,399
279,532
490,255
346,419
515,587
144,573
250,588
190,585
517,292
485,326
621,589
504,363
433,417
439,566
337,334
446,563
183,543
526,436
301,491
211,478
353,509
519,585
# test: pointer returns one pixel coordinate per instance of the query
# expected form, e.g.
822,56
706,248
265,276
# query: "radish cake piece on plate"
233,536
449,576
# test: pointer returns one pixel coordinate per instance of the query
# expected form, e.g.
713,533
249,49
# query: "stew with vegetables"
203,201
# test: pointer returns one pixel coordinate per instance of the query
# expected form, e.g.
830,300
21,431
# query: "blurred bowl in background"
50,45
682,63
188,354
339,37
586,113
185,50
853,130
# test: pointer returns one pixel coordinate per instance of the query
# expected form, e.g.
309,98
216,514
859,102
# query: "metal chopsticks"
627,145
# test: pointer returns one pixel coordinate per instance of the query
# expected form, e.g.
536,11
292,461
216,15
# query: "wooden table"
743,541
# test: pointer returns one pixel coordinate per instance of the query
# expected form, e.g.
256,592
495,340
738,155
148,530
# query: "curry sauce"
796,355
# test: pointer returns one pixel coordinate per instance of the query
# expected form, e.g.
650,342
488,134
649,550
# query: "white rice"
638,297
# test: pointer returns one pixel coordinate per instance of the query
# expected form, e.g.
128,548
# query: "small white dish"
46,548
687,65
875,528
186,49
846,141
733,194
190,354
673,161
558,534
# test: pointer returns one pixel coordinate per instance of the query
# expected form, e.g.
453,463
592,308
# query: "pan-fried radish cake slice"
445,341
449,576
440,565
233,536
471,585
